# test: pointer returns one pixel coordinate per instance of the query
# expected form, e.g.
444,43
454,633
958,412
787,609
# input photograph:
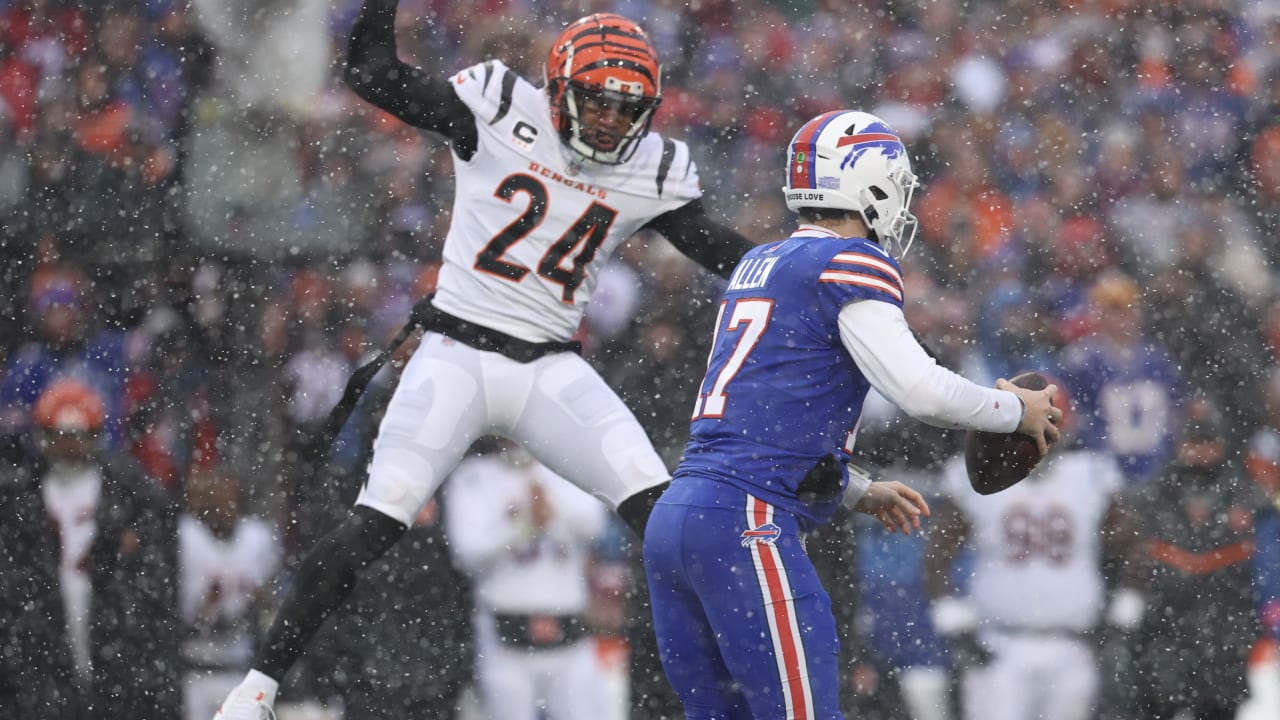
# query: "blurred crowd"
203,232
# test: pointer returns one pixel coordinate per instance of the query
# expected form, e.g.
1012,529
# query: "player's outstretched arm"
375,72
879,340
706,242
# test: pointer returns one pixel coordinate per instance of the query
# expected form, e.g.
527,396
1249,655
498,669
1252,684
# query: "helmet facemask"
893,224
596,142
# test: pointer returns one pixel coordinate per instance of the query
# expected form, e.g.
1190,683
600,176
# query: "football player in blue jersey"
805,327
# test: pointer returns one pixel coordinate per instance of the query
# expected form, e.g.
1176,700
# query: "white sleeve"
876,335
1107,474
478,523
262,548
580,517
955,483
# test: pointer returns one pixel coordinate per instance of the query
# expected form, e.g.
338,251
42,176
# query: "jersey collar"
811,229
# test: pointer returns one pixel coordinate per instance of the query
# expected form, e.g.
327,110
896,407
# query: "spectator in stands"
1078,253
1120,360
226,562
524,535
1195,518
67,343
1220,352
87,575
38,39
1264,164
1262,463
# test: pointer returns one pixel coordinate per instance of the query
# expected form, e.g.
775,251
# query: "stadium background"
233,231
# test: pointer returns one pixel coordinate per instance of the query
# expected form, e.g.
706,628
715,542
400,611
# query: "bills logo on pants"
743,624
767,533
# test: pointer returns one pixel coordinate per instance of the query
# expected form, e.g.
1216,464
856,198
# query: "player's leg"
506,677
575,424
579,685
772,616
686,642
441,406
1073,690
323,580
431,420
1003,689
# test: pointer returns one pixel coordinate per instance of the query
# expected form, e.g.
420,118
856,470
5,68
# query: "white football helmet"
850,160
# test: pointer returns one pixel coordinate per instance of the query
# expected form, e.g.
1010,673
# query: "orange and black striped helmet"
607,61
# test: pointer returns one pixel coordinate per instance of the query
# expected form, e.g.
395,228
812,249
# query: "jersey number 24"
589,230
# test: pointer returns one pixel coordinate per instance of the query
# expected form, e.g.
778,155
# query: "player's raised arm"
703,240
376,73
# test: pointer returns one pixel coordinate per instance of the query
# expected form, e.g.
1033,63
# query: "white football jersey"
515,568
530,231
1039,543
239,566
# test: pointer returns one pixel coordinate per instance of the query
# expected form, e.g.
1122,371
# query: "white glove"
953,615
1126,609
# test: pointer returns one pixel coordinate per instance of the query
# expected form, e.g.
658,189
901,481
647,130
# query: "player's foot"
251,700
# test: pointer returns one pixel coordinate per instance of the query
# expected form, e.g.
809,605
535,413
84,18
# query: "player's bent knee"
364,536
636,509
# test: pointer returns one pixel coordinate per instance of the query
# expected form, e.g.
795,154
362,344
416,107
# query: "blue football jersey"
1126,402
781,391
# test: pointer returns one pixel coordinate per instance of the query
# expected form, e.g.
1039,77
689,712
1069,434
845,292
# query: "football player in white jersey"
1021,637
525,535
549,182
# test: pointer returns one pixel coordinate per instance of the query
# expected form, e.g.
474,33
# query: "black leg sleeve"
323,581
635,509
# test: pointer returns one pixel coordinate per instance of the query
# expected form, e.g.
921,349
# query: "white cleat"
251,700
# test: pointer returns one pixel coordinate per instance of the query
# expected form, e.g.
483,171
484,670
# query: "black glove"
967,651
956,620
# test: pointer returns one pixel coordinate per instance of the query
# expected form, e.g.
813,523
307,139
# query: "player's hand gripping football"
895,505
1040,418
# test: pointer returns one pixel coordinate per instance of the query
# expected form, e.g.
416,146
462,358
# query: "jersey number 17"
748,319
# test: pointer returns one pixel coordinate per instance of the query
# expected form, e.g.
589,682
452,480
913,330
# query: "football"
997,461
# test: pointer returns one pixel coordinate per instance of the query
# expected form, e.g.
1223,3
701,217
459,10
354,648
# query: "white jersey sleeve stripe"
860,259
854,278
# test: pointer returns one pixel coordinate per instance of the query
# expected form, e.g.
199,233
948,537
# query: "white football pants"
557,407
570,682
1033,676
